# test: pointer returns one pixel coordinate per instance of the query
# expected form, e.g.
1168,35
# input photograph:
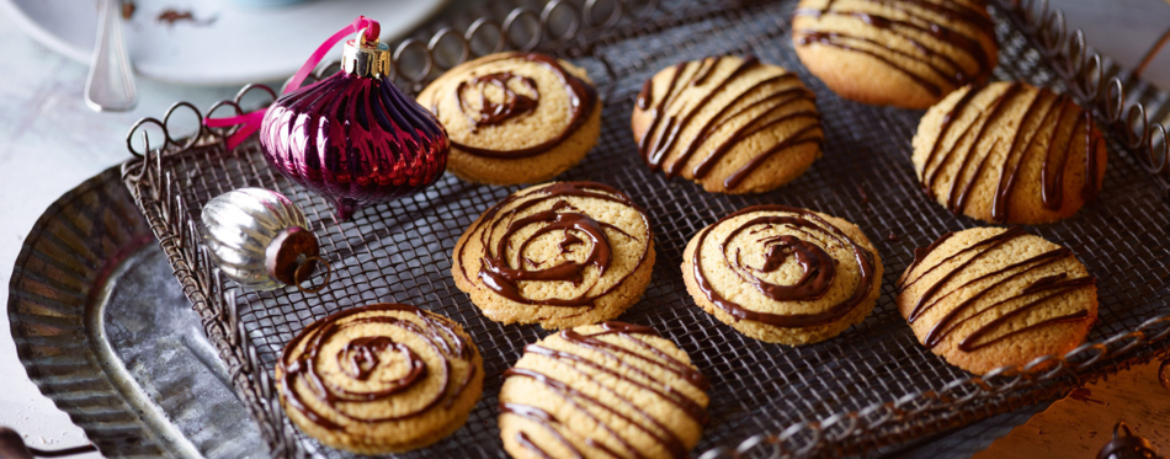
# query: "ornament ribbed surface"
239,225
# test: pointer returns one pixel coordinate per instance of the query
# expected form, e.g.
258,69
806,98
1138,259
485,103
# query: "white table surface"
50,142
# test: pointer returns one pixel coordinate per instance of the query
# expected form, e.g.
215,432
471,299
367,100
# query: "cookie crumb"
171,16
128,9
1082,394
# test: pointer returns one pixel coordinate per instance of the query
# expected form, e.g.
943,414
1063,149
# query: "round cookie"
783,275
730,124
608,390
905,53
380,379
515,117
989,297
1009,153
561,254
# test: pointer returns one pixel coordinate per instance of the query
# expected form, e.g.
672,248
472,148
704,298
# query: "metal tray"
868,389
105,332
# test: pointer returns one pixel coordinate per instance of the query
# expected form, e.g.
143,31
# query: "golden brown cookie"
380,379
601,391
731,124
989,297
782,274
905,53
1010,153
561,254
515,117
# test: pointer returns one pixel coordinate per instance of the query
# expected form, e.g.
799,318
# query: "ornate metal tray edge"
58,276
1091,79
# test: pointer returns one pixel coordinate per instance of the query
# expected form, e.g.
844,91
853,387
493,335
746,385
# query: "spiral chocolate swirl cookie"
782,274
989,297
561,254
515,117
379,379
733,125
905,53
1010,153
609,390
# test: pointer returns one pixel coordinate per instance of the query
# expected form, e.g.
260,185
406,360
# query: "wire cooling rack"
871,387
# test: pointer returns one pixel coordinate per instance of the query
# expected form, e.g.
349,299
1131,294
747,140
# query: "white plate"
241,45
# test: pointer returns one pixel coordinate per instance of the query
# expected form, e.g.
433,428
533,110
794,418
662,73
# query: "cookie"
1009,153
783,275
733,125
515,117
380,379
561,254
608,390
905,53
989,297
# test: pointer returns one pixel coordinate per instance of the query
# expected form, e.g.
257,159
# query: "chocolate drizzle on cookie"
627,361
1007,284
935,45
582,101
504,266
808,251
1045,112
491,113
775,95
363,356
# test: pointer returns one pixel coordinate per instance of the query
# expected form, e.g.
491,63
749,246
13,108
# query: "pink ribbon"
251,121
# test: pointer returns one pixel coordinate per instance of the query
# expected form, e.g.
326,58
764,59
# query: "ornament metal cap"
1127,446
364,58
291,248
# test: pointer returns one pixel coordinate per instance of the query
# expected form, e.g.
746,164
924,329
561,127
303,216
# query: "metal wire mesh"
401,252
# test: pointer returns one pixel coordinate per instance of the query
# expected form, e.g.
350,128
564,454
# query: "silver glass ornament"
259,239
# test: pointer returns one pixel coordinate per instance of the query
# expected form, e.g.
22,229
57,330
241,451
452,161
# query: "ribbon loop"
250,122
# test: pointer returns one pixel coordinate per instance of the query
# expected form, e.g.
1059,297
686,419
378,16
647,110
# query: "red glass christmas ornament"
352,137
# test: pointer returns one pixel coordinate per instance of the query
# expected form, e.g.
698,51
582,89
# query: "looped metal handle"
473,32
426,56
511,31
568,12
301,272
434,50
523,28
1120,426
